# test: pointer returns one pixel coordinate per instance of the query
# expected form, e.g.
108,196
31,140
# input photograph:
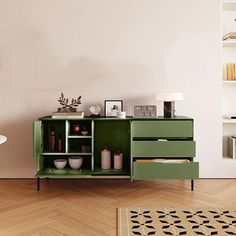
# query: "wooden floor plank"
88,207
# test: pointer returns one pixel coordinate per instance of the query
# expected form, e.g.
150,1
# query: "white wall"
108,49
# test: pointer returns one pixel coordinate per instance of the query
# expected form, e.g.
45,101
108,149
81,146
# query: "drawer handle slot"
162,139
162,160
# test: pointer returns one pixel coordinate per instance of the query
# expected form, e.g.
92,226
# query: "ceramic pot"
105,158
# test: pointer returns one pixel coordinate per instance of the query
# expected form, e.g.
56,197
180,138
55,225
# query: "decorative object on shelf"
88,148
169,99
59,146
60,163
145,111
3,139
230,36
95,110
66,106
52,138
84,132
118,160
230,116
85,149
75,162
76,129
111,107
121,115
105,158
232,147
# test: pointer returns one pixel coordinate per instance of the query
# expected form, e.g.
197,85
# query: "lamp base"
169,109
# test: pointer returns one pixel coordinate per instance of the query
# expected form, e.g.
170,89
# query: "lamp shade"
169,96
3,139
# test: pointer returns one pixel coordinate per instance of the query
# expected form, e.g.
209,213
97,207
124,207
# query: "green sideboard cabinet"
140,140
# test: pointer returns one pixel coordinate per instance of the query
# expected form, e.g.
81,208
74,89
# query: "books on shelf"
229,116
230,35
64,115
232,147
164,160
229,72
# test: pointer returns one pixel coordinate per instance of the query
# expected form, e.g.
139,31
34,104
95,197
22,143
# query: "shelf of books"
229,80
231,148
229,73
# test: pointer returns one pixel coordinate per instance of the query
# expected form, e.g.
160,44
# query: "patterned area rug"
190,222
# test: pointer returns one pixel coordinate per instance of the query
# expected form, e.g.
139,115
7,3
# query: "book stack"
229,71
230,36
65,115
232,147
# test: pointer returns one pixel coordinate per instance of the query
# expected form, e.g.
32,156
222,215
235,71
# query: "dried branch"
65,101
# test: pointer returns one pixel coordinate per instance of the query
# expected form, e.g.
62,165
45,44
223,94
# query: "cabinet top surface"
131,118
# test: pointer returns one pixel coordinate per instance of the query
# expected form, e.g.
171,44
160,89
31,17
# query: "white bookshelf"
228,87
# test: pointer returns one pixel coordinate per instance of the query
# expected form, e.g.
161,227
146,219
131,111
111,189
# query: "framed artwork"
111,107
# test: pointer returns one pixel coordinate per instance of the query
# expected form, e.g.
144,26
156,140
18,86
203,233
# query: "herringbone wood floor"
88,207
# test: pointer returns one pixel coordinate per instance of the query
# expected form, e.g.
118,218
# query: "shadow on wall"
101,79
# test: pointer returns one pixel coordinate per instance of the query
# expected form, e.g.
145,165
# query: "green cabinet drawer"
163,148
154,170
162,129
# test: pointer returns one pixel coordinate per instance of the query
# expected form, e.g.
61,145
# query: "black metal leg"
38,183
192,184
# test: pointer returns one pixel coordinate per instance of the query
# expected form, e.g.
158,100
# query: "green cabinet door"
37,138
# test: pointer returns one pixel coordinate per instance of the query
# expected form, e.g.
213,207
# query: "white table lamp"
169,99
3,139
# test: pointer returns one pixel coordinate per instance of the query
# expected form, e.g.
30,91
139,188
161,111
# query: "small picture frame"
111,107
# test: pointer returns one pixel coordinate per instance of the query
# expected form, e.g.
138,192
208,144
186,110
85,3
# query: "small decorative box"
145,111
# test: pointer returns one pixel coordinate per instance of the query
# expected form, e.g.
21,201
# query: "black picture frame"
111,107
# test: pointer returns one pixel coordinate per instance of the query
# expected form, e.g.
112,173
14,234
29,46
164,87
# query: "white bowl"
84,132
60,163
75,162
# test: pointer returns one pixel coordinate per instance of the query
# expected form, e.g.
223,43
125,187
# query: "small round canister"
118,160
121,115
